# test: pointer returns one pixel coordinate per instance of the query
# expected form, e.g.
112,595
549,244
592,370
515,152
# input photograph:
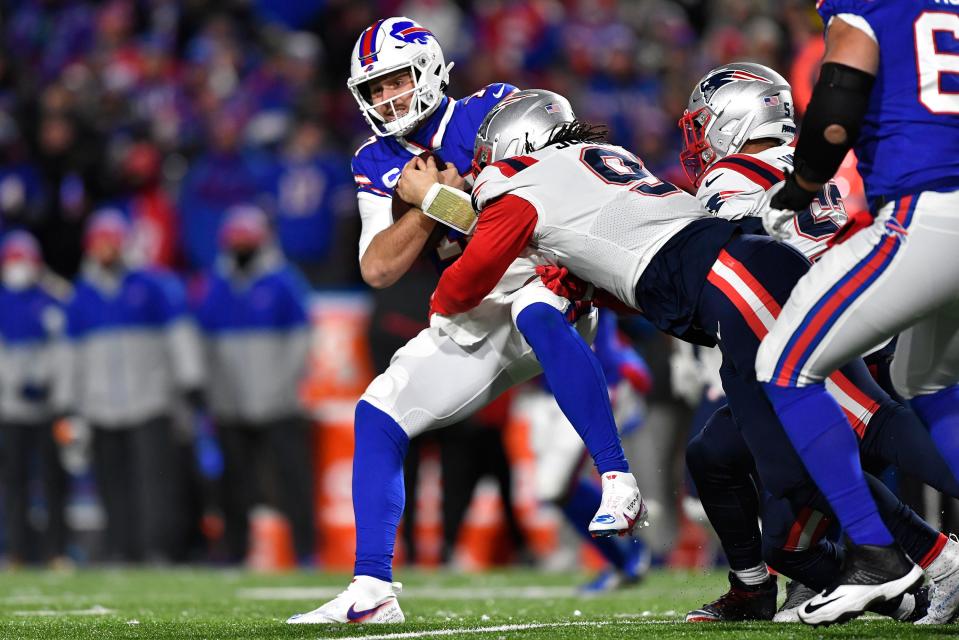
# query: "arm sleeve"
376,214
503,231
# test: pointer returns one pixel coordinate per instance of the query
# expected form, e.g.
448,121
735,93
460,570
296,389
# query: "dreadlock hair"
579,131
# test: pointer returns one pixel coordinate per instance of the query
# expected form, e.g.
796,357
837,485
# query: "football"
400,207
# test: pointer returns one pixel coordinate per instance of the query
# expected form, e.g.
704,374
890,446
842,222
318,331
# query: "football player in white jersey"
737,129
461,362
553,183
737,134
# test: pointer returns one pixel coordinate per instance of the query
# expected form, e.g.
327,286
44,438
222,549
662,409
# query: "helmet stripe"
368,44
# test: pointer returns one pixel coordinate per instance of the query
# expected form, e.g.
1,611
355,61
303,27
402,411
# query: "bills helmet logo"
406,31
721,78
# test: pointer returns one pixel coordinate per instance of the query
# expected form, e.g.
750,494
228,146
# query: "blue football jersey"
449,132
910,135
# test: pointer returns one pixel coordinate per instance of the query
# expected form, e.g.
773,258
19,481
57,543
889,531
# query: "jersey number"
818,221
932,63
615,167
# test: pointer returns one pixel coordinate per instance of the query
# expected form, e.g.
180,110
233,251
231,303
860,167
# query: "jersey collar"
430,135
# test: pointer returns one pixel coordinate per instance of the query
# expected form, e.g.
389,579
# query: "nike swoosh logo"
812,608
499,94
709,182
352,615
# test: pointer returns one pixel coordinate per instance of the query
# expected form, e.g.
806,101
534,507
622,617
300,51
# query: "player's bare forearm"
849,46
394,249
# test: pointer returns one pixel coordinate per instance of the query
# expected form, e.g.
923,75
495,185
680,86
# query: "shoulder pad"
494,180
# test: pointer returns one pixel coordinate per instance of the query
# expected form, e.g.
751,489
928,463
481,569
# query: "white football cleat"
621,508
366,601
944,592
870,575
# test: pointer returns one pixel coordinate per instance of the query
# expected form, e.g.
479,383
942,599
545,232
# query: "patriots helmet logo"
406,31
721,78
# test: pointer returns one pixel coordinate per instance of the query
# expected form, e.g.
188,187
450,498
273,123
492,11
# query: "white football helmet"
520,123
392,45
729,106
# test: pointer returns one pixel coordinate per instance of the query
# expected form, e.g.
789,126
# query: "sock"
821,435
919,540
940,412
378,493
946,561
576,380
754,575
579,509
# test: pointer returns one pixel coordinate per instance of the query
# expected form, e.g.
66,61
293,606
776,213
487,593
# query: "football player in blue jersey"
887,90
457,365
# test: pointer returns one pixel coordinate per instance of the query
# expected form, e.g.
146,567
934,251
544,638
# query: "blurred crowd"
174,181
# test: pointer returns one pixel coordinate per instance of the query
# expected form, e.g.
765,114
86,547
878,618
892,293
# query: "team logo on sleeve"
718,199
408,32
721,78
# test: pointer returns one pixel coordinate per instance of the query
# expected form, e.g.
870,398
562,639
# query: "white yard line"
496,629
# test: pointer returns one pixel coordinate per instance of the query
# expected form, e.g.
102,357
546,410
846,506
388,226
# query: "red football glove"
561,282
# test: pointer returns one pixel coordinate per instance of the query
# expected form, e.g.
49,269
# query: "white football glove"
776,221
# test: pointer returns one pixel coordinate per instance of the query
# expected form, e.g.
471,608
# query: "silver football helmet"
520,123
392,45
729,106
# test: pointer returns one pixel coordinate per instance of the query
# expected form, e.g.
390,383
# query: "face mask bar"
696,155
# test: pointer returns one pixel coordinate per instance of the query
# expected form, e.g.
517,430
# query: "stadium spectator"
314,195
31,330
133,350
252,311
225,176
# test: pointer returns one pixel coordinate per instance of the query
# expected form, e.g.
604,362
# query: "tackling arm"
503,231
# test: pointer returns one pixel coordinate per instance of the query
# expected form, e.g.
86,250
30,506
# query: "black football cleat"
741,602
870,575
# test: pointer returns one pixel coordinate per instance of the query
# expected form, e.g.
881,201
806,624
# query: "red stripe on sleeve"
749,166
502,232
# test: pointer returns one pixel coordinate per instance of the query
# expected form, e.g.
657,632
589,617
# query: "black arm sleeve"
840,97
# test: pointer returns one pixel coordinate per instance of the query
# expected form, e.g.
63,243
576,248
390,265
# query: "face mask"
20,275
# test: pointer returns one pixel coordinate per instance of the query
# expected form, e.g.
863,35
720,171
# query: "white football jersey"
600,213
733,188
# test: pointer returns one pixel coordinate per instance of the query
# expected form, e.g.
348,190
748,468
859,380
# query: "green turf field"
213,604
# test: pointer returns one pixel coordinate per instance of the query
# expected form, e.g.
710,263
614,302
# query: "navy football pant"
792,539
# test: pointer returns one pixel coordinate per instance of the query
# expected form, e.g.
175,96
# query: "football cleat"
906,608
366,601
608,580
797,594
944,592
870,575
741,602
637,559
621,508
